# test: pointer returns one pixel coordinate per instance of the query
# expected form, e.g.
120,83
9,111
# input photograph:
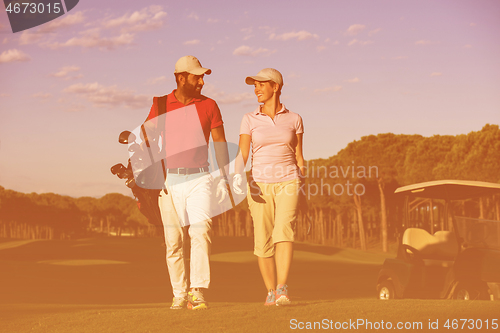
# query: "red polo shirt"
187,130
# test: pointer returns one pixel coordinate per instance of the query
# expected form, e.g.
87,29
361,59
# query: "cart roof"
450,189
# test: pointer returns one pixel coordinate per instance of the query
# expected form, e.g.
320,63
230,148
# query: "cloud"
320,48
373,32
222,98
301,35
399,58
468,46
245,50
359,42
472,24
13,55
92,38
146,19
192,42
355,80
64,72
29,37
63,22
157,80
193,16
41,95
109,97
436,74
5,40
211,20
328,89
355,29
5,95
423,42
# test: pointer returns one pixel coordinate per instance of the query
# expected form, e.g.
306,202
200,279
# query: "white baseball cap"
190,65
267,74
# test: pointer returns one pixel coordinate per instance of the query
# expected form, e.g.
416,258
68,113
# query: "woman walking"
275,135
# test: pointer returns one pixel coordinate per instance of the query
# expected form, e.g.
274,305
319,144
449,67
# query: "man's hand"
237,180
222,190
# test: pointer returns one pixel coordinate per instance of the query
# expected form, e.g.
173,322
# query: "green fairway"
121,285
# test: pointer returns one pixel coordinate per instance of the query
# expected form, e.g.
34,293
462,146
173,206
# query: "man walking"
190,119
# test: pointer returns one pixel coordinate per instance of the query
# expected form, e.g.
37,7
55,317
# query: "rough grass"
121,285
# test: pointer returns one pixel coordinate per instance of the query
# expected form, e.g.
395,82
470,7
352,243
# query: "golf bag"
148,182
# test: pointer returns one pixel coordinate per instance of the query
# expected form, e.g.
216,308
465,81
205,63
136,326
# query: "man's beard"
191,91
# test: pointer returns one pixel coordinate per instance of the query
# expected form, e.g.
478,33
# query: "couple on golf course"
275,136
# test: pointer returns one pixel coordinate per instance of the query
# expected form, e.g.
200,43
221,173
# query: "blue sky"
350,68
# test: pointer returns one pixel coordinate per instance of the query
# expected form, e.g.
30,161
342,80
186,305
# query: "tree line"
349,195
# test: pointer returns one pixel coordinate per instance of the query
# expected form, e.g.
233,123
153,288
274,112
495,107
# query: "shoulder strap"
162,109
162,105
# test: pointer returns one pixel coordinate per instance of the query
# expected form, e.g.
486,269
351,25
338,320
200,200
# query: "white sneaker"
196,300
178,303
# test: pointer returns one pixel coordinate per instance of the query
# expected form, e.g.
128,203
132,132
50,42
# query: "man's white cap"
190,65
267,74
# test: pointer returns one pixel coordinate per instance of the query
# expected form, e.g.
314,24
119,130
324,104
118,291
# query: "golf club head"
126,137
117,168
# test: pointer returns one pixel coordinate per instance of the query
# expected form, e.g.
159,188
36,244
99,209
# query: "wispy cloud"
399,58
373,32
110,97
64,72
328,89
211,20
13,55
29,37
157,80
42,33
41,95
423,42
146,19
63,22
245,50
5,95
436,74
223,98
355,80
359,42
355,29
468,46
92,39
192,42
320,48
193,16
301,35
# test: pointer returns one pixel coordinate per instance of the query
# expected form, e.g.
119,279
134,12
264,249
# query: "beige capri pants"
274,208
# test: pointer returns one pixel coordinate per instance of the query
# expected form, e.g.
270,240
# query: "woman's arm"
244,145
299,157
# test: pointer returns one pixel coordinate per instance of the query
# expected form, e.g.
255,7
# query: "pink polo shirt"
273,144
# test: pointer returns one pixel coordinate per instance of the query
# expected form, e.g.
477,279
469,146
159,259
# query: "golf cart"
441,254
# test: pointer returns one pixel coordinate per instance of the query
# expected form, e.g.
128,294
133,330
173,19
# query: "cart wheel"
469,292
462,293
386,290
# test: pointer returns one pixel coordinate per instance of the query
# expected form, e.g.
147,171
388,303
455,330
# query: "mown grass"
121,285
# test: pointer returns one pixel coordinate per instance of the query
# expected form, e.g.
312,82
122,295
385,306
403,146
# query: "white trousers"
186,210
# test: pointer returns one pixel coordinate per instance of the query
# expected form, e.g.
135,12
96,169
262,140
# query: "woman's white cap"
190,65
267,74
